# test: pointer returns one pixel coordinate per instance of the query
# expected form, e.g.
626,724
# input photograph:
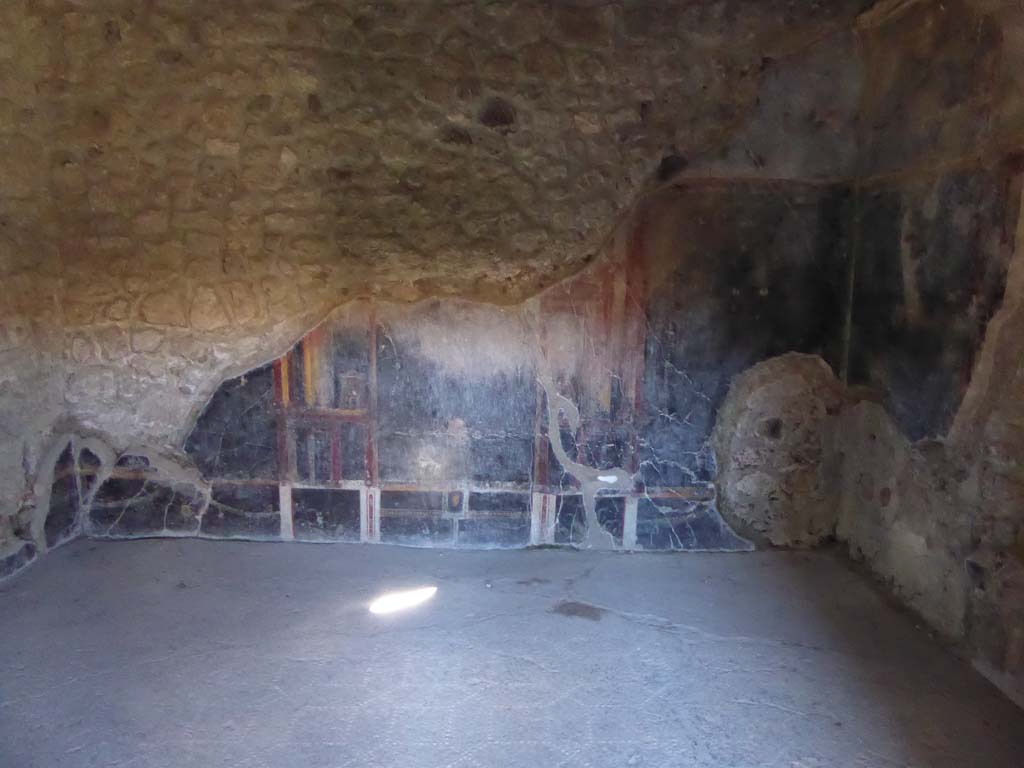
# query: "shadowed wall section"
932,487
426,423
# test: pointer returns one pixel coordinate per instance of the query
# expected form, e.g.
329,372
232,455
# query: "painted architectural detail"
451,438
581,416
370,531
592,481
542,518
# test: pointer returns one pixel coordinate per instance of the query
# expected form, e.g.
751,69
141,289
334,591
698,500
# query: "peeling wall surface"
667,275
434,423
581,416
931,264
932,494
189,188
775,440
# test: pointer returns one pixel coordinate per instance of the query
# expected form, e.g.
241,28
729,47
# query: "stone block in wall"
774,440
165,308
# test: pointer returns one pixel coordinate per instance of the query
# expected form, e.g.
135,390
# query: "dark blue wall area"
930,269
755,272
427,424
437,407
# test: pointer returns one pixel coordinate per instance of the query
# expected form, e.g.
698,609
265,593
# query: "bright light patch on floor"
397,601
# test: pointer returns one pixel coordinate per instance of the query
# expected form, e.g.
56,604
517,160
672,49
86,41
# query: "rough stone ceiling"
470,148
188,187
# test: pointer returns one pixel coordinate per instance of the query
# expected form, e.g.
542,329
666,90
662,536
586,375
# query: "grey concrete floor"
164,654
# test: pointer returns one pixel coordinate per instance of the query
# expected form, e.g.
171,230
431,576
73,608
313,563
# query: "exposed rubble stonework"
775,439
581,416
188,188
932,495
315,271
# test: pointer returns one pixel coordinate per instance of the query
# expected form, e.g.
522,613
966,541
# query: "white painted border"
543,515
629,523
284,491
369,515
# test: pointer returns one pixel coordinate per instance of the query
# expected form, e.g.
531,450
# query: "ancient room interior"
523,383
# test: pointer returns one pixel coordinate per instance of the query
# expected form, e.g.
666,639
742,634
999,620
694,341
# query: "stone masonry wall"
933,490
188,186
31,336
775,443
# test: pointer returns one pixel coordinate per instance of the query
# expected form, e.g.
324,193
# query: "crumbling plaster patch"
188,188
174,475
941,519
906,510
775,445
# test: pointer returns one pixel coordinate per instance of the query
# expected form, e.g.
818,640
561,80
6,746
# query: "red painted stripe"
336,455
